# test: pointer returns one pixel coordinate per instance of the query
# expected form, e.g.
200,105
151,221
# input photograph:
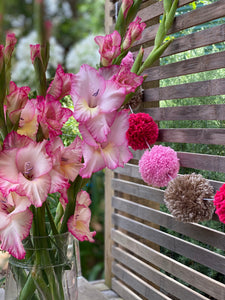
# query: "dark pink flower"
219,202
109,47
134,33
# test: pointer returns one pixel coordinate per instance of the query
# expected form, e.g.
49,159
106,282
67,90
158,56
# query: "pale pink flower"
66,162
26,169
125,6
16,221
92,94
78,224
61,84
112,153
133,33
109,47
16,101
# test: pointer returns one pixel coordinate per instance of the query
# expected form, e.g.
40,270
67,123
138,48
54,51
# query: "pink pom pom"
159,166
219,202
142,131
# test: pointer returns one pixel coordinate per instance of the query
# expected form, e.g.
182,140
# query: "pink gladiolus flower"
66,162
112,153
109,47
61,84
125,6
134,33
35,51
92,94
16,101
25,169
52,116
9,45
78,224
16,221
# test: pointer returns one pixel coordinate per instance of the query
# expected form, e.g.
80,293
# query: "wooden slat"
214,163
137,284
193,18
192,41
188,275
192,112
166,283
123,290
212,136
192,230
188,90
138,190
189,250
189,66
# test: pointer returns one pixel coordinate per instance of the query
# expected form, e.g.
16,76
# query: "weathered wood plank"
201,233
188,90
166,283
187,249
196,17
209,136
189,66
123,290
139,190
177,269
192,112
137,284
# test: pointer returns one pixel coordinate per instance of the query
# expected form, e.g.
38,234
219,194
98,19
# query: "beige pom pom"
184,198
135,101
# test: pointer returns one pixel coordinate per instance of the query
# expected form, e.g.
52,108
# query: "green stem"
52,223
70,207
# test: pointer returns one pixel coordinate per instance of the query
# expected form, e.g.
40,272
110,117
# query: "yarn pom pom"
184,198
159,166
219,202
142,131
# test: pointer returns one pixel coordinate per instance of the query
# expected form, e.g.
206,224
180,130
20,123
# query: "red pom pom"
142,131
219,202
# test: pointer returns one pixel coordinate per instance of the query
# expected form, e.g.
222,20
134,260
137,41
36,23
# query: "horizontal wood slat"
177,269
138,190
167,284
193,18
192,112
193,65
123,290
192,230
137,284
212,136
177,245
188,90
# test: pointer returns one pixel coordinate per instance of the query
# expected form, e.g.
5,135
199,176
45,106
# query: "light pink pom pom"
159,166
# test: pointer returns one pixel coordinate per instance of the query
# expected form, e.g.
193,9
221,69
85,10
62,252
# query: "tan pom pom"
184,198
135,101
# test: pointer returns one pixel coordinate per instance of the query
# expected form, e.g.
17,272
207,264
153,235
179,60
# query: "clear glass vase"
48,272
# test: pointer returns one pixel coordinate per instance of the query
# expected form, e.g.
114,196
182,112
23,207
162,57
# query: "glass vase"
48,272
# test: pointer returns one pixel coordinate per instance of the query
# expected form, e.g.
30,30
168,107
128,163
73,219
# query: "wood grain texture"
177,245
193,230
123,290
177,269
166,283
187,90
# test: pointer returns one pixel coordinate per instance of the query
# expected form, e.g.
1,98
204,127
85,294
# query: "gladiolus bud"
9,46
133,33
126,4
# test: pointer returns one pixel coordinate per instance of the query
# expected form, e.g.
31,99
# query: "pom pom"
142,131
159,166
135,101
219,202
184,198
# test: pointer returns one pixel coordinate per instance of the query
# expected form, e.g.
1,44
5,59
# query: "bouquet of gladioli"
34,163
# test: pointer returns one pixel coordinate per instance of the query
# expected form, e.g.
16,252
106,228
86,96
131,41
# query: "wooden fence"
148,254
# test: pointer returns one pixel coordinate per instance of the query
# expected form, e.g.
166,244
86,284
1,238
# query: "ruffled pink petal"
108,72
93,161
8,169
15,140
58,181
111,156
119,128
61,84
13,234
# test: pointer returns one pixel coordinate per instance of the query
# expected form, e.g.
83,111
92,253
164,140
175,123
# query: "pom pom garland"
143,131
219,202
184,197
159,166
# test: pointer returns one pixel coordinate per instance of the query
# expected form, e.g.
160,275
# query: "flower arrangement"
34,163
